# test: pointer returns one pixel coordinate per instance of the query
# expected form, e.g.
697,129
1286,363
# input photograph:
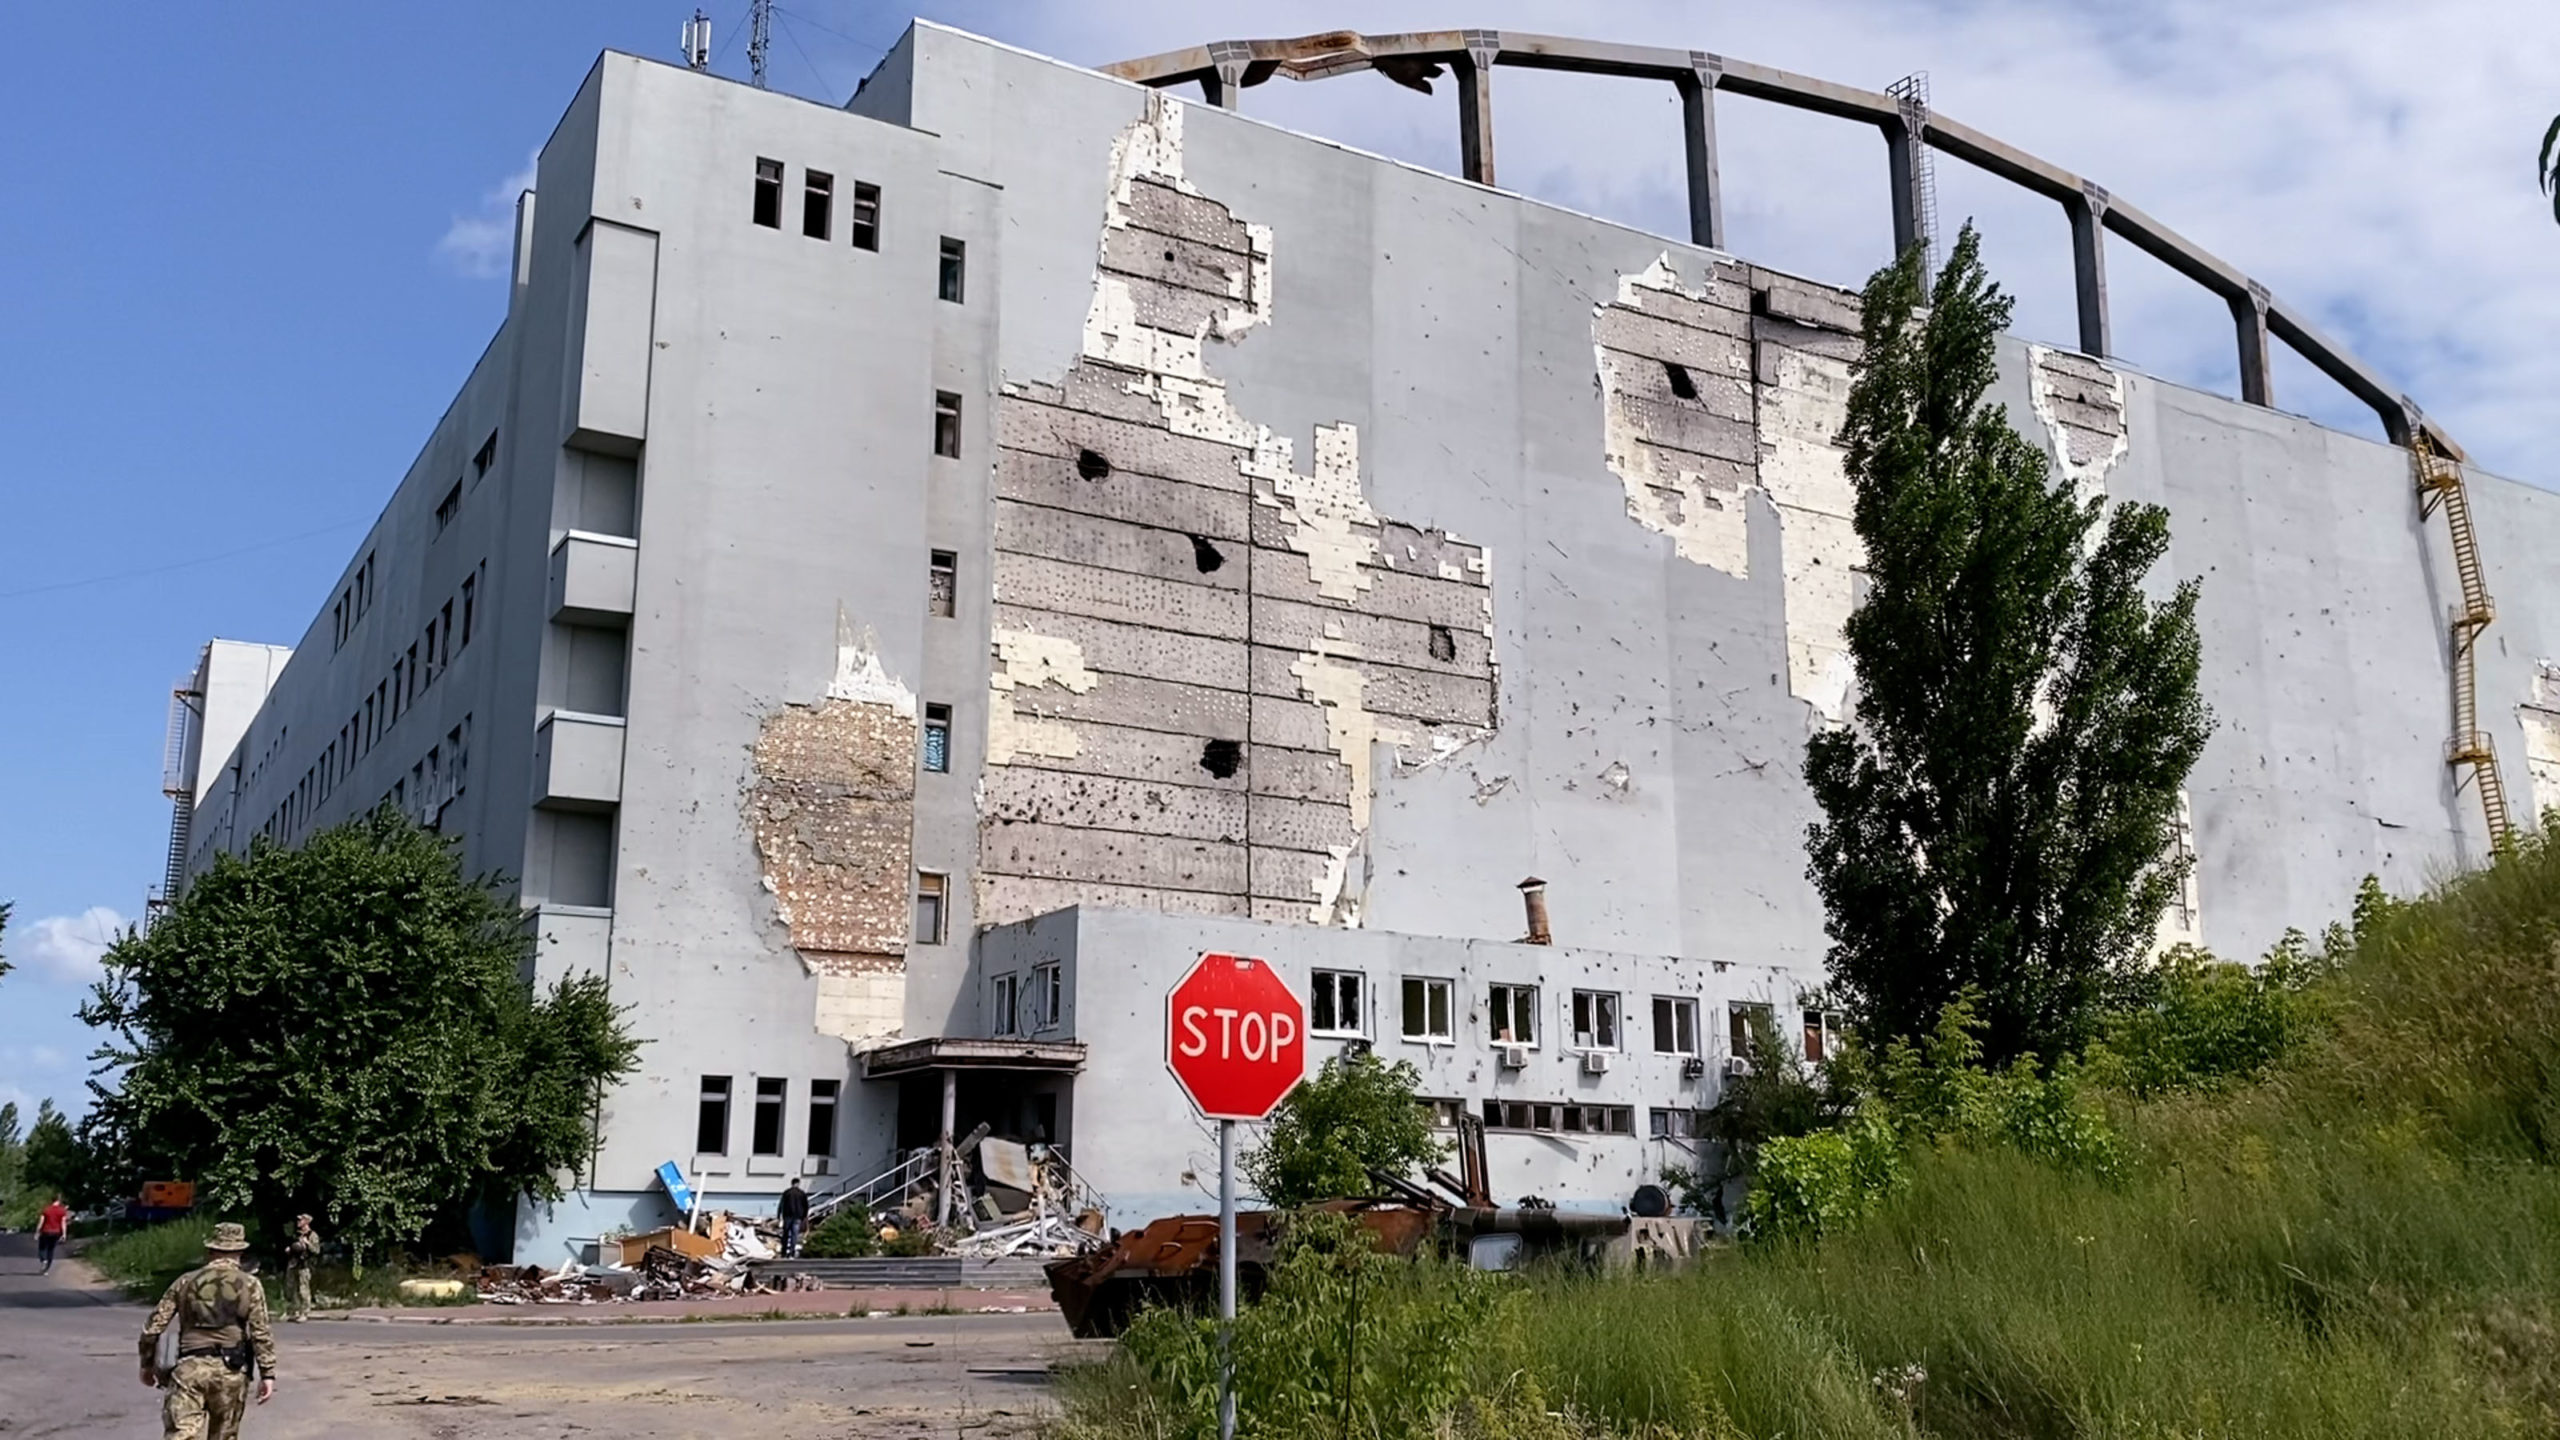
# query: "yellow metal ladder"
2440,488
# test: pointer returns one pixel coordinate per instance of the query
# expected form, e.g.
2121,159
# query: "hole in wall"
1205,555
1091,465
1681,383
1168,254
1444,644
1221,758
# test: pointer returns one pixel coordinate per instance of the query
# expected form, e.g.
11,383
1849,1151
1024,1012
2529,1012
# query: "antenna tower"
759,38
697,42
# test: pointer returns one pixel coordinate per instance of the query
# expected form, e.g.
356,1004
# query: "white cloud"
2368,160
481,243
65,948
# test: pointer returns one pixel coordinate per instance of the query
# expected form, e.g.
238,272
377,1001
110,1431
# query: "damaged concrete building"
907,578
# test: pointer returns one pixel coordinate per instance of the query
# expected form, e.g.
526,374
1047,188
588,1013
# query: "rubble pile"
661,1265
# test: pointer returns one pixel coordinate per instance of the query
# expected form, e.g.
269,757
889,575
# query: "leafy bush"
1358,1114
845,1233
1807,1184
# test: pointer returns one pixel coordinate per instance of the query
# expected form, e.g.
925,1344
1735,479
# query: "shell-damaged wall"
1201,649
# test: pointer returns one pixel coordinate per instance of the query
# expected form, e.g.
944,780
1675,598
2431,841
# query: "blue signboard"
671,1175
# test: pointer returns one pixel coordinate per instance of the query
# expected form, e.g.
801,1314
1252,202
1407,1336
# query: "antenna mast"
759,37
697,42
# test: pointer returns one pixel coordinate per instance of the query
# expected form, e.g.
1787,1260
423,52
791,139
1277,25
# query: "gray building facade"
928,570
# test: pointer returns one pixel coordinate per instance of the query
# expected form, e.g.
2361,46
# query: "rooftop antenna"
759,37
697,42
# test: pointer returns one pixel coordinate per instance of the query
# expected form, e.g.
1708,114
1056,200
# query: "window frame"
823,1098
1737,1023
708,1101
946,424
1679,1008
1004,1004
1819,1033
1609,1005
1426,986
1523,1004
951,277
936,885
770,175
1328,983
817,204
773,1102
1048,996
864,226
936,723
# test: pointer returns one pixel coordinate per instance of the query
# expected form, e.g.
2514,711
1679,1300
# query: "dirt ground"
68,1368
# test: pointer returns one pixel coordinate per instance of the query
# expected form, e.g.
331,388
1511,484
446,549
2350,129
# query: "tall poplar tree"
1998,816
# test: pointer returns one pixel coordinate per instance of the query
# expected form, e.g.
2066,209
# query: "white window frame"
1004,1004
1737,1025
1523,1005
1345,1027
1448,991
1610,1002
1680,1005
1048,995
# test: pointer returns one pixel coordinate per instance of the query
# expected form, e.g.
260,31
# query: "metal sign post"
1235,1040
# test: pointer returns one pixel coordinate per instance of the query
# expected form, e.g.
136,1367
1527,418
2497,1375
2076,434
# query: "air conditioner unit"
1692,1068
1736,1066
1515,1057
1595,1062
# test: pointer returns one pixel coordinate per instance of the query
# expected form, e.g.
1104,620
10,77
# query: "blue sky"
248,251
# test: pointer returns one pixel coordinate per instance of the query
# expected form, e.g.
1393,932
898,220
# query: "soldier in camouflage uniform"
300,1254
220,1312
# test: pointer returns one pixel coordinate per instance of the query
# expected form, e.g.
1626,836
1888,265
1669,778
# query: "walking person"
51,1226
218,1313
795,1217
300,1254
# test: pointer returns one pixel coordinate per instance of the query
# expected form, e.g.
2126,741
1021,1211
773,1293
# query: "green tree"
1998,815
2546,169
344,1028
4,934
1358,1114
50,1162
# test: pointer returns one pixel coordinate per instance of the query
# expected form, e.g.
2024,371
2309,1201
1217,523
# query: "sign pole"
1226,1279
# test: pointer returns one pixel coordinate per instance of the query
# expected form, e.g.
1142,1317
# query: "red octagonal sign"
1235,1037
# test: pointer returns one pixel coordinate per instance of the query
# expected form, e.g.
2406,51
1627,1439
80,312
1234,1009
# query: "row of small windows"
353,601
1558,1117
1337,1006
1027,1003
765,1132
433,782
818,213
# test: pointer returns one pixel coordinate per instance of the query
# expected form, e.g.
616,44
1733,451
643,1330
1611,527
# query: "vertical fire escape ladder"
2440,488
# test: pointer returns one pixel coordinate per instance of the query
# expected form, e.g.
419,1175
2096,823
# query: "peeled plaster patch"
2541,721
1709,523
1025,661
859,675
2083,453
1806,477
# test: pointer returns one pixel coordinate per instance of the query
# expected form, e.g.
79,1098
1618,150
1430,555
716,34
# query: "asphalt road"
68,1367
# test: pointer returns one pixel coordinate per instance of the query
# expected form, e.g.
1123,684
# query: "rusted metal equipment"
1174,1261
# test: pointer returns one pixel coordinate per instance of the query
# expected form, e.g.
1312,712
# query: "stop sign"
1235,1037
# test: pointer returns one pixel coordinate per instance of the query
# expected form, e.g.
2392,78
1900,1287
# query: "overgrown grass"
2364,1242
143,1261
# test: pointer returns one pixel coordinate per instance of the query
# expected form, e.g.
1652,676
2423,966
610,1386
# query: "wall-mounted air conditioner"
1595,1062
1515,1057
1736,1066
1692,1068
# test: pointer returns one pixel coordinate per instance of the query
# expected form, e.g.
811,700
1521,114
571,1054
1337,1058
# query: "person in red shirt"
50,1228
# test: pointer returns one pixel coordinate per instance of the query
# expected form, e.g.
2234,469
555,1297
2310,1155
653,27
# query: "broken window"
1821,1034
1682,383
1048,996
485,456
817,204
822,1117
942,584
1426,1010
1595,1020
946,424
1444,1113
1527,1114
1673,1124
771,1094
1740,1017
1597,1119
1675,1025
769,194
1004,1005
930,889
866,216
1444,643
955,256
448,507
1334,1006
937,738
1514,1015
711,1118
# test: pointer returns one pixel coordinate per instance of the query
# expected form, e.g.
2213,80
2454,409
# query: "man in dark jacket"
795,1217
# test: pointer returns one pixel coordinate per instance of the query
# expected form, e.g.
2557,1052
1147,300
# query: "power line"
177,565
830,29
789,34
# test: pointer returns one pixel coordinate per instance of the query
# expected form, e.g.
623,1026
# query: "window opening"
485,456
1675,1025
955,255
1048,996
942,584
711,1118
1682,384
817,204
1595,1020
946,424
937,738
1205,555
1821,1034
1333,1006
769,194
1514,1017
771,1094
866,217
1444,643
822,1117
1426,1010
1444,1113
930,888
448,507
1740,1017
1004,1005
1665,1124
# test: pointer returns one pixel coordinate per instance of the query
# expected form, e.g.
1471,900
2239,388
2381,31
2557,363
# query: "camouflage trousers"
203,1400
297,1292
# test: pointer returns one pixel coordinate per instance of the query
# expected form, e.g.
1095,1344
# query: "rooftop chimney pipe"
1533,895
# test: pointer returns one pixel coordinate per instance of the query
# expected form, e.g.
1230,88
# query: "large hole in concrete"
1444,644
1221,758
1091,465
1205,555
1682,384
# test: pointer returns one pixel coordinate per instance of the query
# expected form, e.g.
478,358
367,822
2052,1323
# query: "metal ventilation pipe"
1533,896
